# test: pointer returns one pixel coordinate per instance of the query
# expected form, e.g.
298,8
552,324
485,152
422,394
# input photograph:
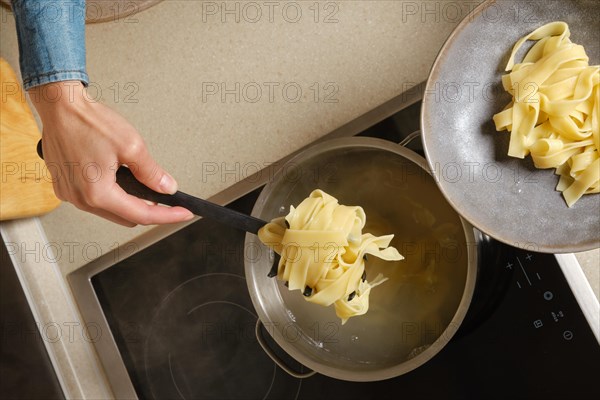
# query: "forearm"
51,38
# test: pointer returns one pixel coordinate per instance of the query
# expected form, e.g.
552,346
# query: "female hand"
84,144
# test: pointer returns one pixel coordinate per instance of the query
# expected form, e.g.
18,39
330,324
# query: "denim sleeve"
51,37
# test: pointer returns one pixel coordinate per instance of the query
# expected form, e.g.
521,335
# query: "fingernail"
167,184
189,217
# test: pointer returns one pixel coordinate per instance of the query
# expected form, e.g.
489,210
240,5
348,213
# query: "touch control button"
568,335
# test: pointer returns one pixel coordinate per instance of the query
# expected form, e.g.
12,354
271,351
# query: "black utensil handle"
39,149
200,207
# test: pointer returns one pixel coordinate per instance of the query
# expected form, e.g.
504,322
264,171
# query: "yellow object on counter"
26,186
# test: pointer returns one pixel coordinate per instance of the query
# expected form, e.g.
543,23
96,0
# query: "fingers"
147,170
111,217
138,211
130,211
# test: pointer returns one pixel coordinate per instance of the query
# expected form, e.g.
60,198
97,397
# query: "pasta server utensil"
196,205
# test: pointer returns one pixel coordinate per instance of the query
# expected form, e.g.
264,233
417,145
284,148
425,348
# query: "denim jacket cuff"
57,76
51,37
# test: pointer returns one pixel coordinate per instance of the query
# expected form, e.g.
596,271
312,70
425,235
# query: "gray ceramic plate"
507,198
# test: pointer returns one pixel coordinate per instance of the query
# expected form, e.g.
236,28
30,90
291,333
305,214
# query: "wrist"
55,96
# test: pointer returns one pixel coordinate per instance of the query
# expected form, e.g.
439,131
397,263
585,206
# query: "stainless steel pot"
416,312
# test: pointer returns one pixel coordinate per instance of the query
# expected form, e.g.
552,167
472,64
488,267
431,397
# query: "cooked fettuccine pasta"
323,253
555,109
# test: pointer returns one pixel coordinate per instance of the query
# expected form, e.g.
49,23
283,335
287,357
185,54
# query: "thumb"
147,171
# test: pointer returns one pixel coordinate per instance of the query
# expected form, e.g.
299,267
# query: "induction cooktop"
182,324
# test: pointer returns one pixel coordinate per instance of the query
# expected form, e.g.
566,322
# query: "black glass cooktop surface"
184,324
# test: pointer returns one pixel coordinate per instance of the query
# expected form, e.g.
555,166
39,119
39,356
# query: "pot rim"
387,372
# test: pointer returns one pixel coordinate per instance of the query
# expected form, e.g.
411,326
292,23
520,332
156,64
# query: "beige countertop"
215,99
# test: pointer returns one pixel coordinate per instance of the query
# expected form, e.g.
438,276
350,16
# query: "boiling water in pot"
412,309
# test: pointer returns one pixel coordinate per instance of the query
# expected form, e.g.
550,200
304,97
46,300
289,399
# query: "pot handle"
276,359
412,136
